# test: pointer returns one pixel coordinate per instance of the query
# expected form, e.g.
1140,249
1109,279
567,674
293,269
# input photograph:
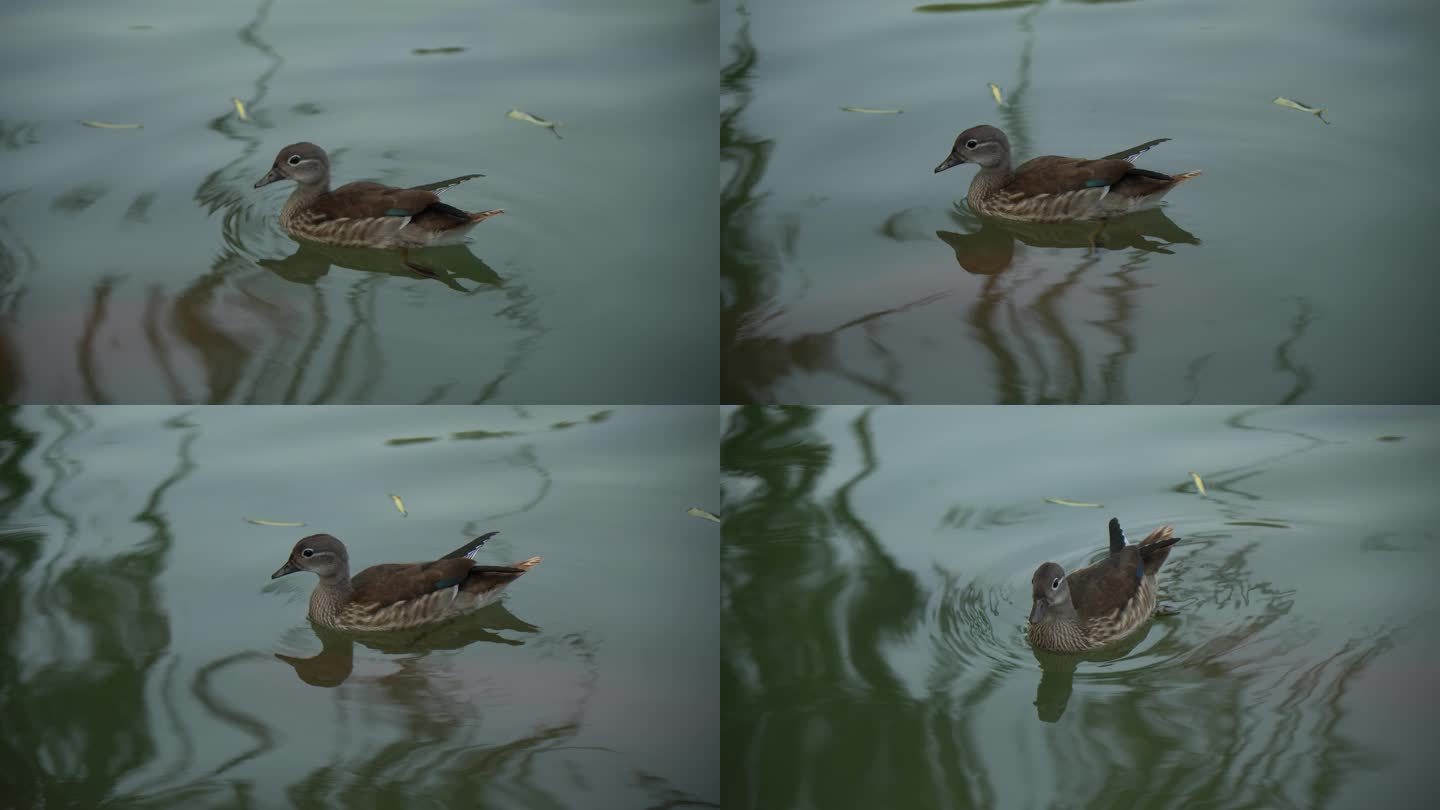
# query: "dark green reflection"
103,618
852,679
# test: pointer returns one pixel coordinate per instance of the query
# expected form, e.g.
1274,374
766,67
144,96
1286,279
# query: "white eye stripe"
971,144
1055,586
294,160
309,552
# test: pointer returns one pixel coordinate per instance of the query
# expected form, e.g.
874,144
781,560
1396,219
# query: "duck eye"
294,161
971,144
1054,586
310,552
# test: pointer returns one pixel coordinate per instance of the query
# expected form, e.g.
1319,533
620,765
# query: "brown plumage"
396,596
365,214
1054,188
1051,175
1099,603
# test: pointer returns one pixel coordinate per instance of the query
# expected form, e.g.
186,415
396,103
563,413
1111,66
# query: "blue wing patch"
1095,182
446,583
1139,567
396,212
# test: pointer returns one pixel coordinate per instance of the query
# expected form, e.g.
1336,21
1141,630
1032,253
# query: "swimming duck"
1052,188
365,214
1100,603
397,596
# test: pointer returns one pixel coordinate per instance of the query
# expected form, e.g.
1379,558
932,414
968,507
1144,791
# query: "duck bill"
274,175
950,162
288,568
1036,613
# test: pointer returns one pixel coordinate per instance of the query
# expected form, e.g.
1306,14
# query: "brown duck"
1053,188
1099,603
397,596
365,214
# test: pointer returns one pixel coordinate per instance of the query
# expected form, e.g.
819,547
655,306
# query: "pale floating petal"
872,110
518,115
283,524
1199,484
1296,105
696,511
109,125
240,109
400,505
995,91
1064,502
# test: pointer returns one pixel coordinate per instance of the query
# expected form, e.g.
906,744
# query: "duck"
365,214
1053,188
397,596
1100,603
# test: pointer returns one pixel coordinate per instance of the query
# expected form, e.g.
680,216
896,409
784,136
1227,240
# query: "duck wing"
1105,587
469,549
1059,175
443,185
1132,152
399,582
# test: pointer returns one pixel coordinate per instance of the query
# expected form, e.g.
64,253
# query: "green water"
1297,268
877,569
140,265
150,661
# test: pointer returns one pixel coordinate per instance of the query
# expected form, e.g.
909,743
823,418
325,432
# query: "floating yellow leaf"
1063,502
399,504
1199,484
240,109
1295,105
696,511
284,524
995,91
108,125
872,110
517,115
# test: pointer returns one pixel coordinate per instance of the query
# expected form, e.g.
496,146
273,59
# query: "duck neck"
1059,634
987,180
302,196
1060,613
330,596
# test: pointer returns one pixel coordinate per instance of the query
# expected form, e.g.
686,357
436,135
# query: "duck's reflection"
447,265
1057,673
336,660
989,246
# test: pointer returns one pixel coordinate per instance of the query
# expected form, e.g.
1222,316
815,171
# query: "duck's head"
984,145
321,553
1049,591
305,163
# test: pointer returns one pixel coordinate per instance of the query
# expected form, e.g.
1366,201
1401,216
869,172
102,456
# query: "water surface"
877,568
150,661
1295,269
139,265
